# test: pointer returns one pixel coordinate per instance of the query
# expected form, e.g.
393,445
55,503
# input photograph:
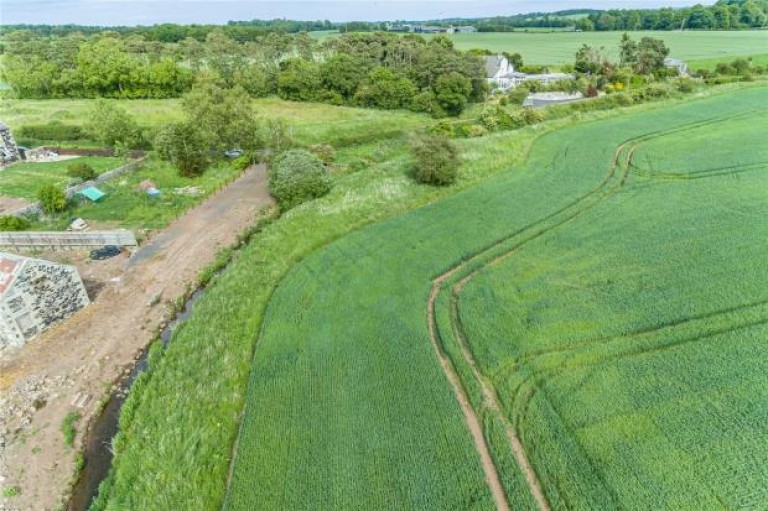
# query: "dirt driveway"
72,366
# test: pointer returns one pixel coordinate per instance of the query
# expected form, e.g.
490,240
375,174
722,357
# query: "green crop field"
22,180
621,325
347,405
559,47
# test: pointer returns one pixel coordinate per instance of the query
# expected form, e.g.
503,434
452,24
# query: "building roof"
493,64
9,268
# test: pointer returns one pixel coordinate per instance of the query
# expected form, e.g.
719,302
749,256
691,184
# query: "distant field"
311,123
539,46
560,47
757,60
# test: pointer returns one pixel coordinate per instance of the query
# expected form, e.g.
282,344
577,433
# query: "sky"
149,12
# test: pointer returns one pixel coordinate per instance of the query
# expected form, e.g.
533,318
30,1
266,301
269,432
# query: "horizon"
218,12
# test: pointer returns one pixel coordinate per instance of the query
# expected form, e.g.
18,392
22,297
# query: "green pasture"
711,63
23,180
346,405
310,123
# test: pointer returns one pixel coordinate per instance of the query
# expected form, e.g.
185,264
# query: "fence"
36,209
67,240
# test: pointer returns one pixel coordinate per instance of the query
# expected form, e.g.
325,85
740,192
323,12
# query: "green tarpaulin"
92,193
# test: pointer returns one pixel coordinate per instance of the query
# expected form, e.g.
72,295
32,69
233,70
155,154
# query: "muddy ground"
72,366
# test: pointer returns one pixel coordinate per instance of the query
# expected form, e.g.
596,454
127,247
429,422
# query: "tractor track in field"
491,398
473,422
490,256
572,210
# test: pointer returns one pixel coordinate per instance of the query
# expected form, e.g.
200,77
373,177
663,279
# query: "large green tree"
185,146
224,116
651,53
452,91
110,124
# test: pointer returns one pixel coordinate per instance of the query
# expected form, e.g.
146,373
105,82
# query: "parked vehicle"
106,252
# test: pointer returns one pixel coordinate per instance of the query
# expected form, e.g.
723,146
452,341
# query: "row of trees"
368,69
723,15
387,71
642,58
241,31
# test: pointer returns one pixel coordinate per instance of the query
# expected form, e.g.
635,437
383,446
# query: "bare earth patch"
10,204
73,365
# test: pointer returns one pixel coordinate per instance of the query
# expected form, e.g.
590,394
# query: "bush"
57,132
243,162
532,116
426,102
110,124
437,160
185,146
81,171
298,176
473,131
517,95
52,199
442,129
325,152
13,223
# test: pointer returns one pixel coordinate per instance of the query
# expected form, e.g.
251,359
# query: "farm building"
34,294
681,66
544,99
501,73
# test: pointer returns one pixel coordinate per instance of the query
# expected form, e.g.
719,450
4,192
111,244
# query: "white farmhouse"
34,294
496,69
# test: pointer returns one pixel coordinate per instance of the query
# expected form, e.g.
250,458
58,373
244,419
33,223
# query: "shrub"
325,152
185,146
81,171
243,162
13,223
63,132
426,102
52,199
298,176
532,116
437,160
111,124
442,129
474,130
517,95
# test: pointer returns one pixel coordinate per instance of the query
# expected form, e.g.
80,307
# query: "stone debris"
18,406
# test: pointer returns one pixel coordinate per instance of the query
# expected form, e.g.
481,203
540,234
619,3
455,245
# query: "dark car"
105,252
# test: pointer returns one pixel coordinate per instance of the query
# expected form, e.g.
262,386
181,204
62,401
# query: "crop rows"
523,317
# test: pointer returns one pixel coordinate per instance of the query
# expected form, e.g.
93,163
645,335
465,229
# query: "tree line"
380,70
723,15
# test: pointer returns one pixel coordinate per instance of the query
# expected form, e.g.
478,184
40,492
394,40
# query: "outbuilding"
35,294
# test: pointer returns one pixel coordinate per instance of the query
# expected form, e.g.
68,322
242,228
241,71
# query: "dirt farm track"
72,366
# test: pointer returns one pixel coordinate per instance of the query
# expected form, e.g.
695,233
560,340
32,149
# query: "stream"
98,443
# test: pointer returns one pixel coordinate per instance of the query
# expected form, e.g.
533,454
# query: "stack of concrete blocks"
9,151
35,294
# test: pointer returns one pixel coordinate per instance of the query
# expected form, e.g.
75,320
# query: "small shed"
92,193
